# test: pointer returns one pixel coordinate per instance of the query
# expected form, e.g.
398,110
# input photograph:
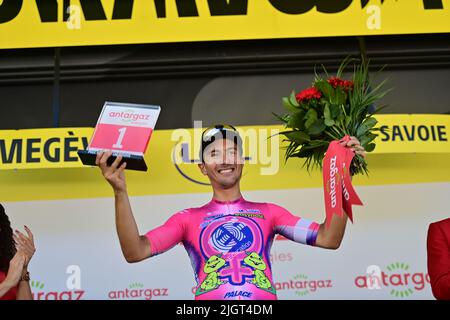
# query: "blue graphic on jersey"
232,237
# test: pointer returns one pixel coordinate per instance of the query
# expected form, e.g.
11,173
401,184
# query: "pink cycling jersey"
229,245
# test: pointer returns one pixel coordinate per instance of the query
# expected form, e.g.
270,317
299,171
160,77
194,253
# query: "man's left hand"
355,146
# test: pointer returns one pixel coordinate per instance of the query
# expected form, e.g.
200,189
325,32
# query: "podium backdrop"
383,255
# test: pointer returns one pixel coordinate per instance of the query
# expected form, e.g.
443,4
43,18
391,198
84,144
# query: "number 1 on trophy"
118,144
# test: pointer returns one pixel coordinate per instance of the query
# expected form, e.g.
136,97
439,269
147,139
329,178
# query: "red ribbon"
338,189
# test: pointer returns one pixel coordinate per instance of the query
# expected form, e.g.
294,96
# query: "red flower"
335,82
308,94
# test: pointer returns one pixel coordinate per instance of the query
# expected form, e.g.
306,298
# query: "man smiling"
228,239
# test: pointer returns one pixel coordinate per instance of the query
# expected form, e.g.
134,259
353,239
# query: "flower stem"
337,133
343,109
331,135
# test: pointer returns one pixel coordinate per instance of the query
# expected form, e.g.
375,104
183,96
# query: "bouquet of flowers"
329,110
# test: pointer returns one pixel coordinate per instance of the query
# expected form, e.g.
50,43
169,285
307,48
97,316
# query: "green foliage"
342,109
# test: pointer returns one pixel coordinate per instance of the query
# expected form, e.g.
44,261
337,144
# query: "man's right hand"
113,174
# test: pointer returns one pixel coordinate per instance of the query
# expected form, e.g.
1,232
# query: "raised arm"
25,245
134,247
331,238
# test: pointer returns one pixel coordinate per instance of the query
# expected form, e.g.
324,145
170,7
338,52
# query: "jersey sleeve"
167,235
295,228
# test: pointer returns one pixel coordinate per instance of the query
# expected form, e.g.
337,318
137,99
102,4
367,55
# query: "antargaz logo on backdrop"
398,279
302,285
40,294
137,290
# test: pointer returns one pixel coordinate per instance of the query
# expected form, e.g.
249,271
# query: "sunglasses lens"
210,132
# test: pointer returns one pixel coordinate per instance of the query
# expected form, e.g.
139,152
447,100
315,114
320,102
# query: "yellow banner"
396,160
413,133
42,148
55,23
57,148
